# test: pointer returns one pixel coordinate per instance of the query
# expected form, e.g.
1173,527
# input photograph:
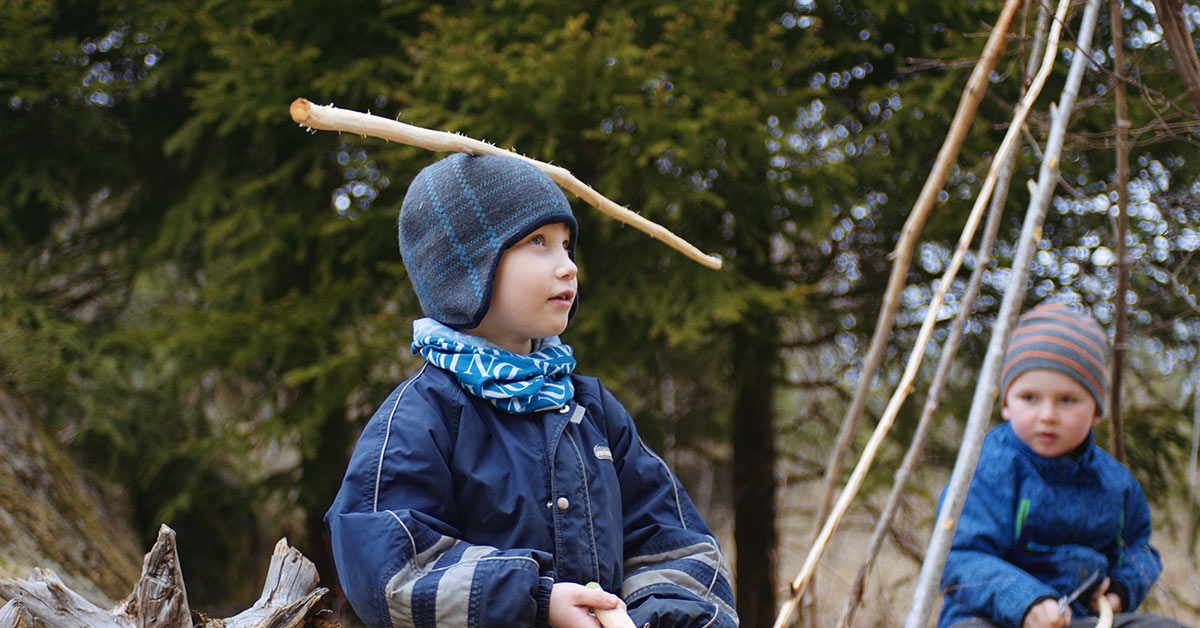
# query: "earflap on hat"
459,214
1056,338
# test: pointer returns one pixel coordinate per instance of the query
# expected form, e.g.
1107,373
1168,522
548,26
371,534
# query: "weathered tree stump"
290,597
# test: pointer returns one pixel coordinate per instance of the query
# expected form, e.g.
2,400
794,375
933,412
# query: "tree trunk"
323,479
754,504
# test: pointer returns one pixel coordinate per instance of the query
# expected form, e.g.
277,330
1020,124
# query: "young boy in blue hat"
494,483
1047,507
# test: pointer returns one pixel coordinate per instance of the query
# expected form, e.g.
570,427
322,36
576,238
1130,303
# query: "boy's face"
1049,411
533,290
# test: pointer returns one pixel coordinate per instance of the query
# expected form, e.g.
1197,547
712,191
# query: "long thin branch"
1179,44
1116,440
902,258
917,447
330,118
1014,297
1194,476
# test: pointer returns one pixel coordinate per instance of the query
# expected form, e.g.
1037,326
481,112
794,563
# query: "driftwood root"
290,597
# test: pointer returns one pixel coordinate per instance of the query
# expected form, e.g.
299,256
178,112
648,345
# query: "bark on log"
48,600
290,597
290,593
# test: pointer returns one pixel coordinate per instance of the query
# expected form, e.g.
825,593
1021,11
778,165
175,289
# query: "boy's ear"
1004,407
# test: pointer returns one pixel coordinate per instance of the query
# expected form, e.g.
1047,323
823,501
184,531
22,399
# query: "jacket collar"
1059,468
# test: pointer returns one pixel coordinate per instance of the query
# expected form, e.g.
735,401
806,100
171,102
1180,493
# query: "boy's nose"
566,266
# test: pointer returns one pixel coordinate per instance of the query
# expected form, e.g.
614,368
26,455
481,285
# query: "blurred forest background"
201,303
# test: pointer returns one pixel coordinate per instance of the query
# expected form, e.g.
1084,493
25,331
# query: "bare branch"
1116,440
330,118
1179,44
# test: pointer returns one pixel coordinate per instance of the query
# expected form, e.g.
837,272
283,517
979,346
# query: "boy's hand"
1044,614
1114,600
571,605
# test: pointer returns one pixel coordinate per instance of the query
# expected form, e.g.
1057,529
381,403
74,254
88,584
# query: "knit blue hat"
1054,337
459,214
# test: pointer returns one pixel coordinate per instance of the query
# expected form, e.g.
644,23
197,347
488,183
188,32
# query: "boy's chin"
556,329
1055,450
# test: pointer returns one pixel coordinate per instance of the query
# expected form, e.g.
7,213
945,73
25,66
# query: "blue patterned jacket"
1032,527
455,514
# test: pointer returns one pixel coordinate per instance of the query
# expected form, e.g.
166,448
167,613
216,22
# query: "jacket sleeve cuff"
1122,591
1035,602
542,598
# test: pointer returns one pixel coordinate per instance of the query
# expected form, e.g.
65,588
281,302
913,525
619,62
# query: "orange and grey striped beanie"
1056,338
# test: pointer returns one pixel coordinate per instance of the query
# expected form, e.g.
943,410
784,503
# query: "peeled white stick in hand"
1106,613
611,617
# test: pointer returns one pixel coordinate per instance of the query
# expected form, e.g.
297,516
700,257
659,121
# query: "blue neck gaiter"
517,383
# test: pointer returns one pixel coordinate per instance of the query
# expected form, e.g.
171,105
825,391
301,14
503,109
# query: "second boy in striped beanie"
1056,338
1047,507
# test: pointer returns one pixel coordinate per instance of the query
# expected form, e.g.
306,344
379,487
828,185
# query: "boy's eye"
537,239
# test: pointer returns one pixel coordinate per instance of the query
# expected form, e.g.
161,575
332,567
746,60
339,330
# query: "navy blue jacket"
1030,526
454,513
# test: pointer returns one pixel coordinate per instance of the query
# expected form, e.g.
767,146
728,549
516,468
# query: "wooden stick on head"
330,118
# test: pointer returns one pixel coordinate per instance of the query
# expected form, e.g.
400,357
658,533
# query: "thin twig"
1193,478
1180,289
330,118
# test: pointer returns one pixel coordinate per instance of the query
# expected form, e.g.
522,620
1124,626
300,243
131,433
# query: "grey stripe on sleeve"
454,586
707,553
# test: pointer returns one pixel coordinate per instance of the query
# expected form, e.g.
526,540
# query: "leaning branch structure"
986,388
